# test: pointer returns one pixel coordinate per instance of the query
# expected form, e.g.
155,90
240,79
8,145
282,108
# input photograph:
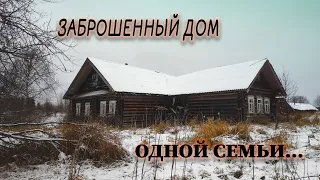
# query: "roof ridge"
124,65
253,63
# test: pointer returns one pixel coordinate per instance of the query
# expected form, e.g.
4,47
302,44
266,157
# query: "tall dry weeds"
211,129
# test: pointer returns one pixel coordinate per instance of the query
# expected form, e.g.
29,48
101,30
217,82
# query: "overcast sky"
285,32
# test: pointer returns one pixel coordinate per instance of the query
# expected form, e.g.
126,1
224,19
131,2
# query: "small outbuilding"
303,107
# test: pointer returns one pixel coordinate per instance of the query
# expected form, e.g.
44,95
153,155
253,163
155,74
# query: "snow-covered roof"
232,77
126,78
303,107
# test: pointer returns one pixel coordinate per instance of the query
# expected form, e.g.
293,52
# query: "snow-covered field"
304,140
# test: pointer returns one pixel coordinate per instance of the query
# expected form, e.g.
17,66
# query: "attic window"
94,77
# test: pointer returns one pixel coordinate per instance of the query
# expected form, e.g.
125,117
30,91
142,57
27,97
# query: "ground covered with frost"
305,140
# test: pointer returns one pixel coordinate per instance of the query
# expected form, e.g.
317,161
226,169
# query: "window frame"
87,109
267,105
251,110
260,107
103,112
112,107
78,110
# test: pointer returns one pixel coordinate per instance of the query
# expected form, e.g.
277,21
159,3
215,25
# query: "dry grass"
194,123
28,153
316,147
305,119
289,126
301,122
242,130
264,122
99,145
316,120
161,127
280,139
211,129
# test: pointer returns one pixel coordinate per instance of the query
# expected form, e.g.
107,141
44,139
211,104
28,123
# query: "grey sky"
285,32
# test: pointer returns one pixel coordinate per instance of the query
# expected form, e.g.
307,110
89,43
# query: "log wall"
218,105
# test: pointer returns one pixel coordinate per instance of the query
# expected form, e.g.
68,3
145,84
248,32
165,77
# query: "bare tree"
29,44
317,101
299,99
288,84
30,52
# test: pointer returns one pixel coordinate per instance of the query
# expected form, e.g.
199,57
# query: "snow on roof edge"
303,106
92,93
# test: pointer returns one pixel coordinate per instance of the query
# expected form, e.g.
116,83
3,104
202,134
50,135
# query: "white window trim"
251,106
112,107
260,105
267,105
78,109
87,109
103,108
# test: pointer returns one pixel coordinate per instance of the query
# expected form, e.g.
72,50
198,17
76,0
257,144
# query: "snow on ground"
303,139
58,117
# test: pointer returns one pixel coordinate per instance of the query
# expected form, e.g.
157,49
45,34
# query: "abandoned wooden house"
130,95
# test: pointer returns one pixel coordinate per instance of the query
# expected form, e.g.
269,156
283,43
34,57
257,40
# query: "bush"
97,144
211,129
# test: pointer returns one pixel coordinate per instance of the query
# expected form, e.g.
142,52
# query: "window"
251,104
78,109
87,109
266,105
112,107
94,79
103,108
259,105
